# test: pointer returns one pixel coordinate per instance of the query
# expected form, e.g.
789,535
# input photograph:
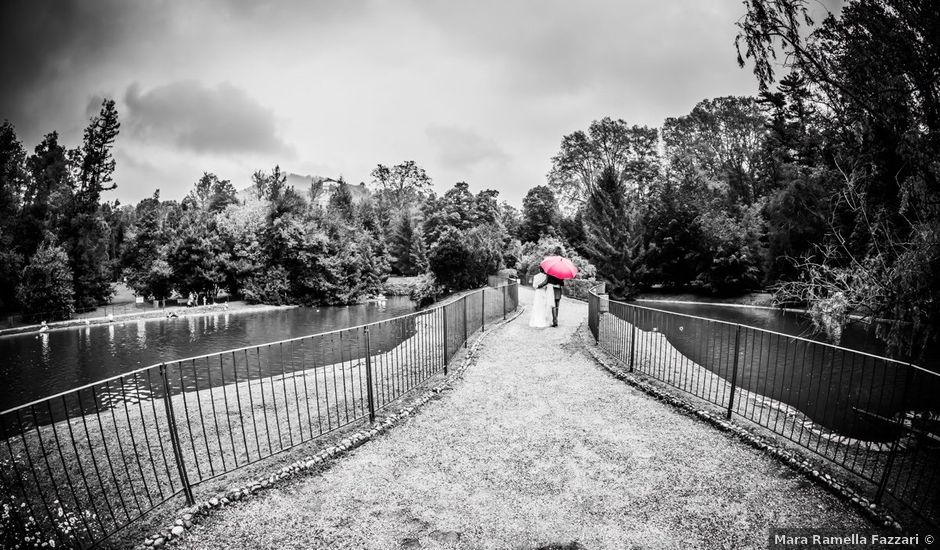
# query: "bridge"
459,426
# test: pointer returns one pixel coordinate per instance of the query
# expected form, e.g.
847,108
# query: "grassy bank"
148,315
762,299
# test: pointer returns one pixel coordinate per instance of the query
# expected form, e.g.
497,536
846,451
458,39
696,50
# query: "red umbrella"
556,266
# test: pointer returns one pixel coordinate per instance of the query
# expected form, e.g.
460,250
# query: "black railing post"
734,369
482,310
892,454
504,302
444,323
632,337
464,300
174,436
369,377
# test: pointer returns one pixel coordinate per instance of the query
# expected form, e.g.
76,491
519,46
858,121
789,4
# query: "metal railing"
872,416
80,466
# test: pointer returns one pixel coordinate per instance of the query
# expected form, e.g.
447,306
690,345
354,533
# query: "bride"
541,315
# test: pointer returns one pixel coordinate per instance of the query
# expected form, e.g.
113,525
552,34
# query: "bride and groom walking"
547,284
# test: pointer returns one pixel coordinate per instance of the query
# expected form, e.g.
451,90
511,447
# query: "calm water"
855,337
837,389
34,366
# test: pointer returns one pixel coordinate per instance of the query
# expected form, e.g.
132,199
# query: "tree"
419,252
49,193
464,235
147,243
448,259
453,209
540,214
672,239
613,240
630,152
241,229
46,285
97,163
720,143
870,75
211,194
13,179
403,245
731,254
87,239
511,219
341,202
797,219
197,259
403,183
12,174
85,234
571,230
268,186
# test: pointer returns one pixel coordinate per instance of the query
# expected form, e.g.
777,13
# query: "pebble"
159,542
178,531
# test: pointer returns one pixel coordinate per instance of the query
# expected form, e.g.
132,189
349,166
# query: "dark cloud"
56,54
193,117
46,46
462,149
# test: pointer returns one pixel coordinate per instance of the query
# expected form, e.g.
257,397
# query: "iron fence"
872,416
80,466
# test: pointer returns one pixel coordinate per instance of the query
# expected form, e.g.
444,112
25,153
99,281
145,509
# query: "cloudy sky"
478,91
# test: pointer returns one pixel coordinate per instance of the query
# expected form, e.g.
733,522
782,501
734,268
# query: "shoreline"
147,315
720,304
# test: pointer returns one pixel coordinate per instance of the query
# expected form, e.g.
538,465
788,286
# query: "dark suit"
558,284
551,280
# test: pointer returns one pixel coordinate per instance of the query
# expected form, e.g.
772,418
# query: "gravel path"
536,446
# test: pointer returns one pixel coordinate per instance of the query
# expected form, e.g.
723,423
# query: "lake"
840,390
38,365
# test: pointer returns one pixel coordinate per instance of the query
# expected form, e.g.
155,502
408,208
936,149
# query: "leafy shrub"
426,291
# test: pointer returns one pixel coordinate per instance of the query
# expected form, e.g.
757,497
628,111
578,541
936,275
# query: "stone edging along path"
187,517
872,510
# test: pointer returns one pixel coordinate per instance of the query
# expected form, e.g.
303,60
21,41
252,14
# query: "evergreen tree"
86,235
97,162
402,245
49,194
672,253
419,252
341,202
611,240
13,179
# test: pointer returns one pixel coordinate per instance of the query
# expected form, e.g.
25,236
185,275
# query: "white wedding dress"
541,315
